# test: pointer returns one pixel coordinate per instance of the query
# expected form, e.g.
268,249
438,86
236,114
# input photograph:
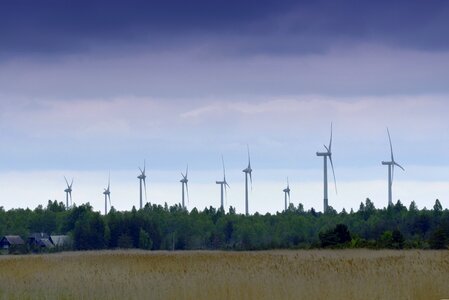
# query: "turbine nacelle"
141,178
247,170
68,191
391,164
184,177
328,155
142,175
287,189
184,181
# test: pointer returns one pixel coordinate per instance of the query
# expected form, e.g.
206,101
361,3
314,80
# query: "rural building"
61,241
9,241
40,240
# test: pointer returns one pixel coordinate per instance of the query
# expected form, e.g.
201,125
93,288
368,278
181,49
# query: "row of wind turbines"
327,155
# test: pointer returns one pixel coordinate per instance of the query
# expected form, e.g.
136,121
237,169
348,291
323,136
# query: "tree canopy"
157,227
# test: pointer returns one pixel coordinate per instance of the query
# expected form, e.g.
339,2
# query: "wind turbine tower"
287,193
142,178
68,192
391,165
326,155
184,181
247,172
107,196
223,184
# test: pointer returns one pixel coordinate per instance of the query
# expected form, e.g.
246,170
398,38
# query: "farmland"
312,274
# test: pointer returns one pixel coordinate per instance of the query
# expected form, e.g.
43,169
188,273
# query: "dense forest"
157,227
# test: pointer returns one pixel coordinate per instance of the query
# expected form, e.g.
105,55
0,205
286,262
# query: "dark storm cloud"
43,26
61,26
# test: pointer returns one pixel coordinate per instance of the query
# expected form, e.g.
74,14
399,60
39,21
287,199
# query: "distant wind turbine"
247,172
287,193
142,178
223,184
391,165
68,192
107,196
325,155
184,182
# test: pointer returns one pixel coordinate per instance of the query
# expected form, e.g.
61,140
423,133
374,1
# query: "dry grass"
346,274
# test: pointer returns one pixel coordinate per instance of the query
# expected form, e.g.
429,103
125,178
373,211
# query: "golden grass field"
314,274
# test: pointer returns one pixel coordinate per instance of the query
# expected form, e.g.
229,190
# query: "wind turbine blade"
71,201
141,172
392,172
249,157
226,192
110,204
251,180
327,149
391,145
187,171
109,181
66,181
144,166
399,166
333,173
224,172
71,183
187,190
330,142
145,187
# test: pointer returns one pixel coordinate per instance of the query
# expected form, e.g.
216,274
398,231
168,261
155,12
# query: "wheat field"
314,274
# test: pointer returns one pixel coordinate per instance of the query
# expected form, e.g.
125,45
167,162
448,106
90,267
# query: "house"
40,240
61,241
9,241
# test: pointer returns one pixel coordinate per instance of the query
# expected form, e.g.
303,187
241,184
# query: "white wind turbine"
391,165
223,184
326,155
184,182
68,192
107,196
142,178
287,193
247,172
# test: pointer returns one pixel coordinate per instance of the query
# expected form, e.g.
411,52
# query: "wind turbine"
247,172
391,165
223,184
287,193
184,181
107,195
68,192
141,178
326,155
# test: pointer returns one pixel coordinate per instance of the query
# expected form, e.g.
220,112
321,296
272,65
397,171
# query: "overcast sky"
92,86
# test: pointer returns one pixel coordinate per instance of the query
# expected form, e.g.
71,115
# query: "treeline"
157,227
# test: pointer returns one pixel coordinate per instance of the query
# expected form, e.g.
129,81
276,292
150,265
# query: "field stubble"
315,274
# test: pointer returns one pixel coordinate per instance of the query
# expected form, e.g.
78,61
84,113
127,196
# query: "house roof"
13,239
44,243
38,235
60,240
